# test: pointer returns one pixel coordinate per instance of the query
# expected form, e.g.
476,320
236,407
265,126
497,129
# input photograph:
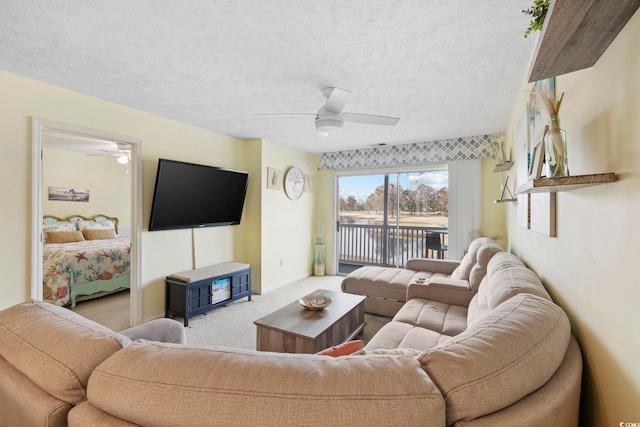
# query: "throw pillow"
64,236
90,234
58,226
345,349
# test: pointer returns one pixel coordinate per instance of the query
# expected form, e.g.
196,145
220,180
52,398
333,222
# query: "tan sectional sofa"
505,357
386,288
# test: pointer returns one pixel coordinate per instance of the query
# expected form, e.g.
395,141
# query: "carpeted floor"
228,326
232,325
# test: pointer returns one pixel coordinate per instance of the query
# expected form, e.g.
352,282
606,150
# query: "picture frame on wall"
309,184
522,169
68,194
274,178
538,114
537,157
542,206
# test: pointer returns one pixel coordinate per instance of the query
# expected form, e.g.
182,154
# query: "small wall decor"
68,194
537,157
309,184
274,179
542,207
523,160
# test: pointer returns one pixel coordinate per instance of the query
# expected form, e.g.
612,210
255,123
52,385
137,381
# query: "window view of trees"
416,222
424,200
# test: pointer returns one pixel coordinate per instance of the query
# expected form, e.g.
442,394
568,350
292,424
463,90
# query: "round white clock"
294,183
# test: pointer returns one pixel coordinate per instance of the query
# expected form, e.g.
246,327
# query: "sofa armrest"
444,266
444,290
162,330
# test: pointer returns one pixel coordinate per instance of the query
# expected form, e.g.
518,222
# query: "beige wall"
106,179
163,252
287,234
493,224
590,268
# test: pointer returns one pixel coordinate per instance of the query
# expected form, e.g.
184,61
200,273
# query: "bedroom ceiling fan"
330,117
122,155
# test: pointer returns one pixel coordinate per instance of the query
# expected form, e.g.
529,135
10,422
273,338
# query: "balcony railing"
365,244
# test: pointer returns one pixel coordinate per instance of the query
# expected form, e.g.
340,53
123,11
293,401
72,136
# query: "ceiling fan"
122,155
330,117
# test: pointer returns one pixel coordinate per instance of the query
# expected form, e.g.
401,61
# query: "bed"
83,258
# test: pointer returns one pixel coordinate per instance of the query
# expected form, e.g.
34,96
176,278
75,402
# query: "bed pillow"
95,225
90,234
58,226
64,236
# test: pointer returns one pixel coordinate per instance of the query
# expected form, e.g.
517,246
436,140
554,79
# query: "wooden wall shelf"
565,183
502,167
576,34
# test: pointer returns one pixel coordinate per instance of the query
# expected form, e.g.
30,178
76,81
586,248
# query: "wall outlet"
281,263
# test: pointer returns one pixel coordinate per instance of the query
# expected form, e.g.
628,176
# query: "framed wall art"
68,194
542,205
274,179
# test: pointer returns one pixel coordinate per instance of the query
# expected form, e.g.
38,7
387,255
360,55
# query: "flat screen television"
188,195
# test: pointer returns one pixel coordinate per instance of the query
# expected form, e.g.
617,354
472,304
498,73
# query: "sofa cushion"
404,335
478,271
439,317
22,403
469,259
508,277
503,357
381,282
54,347
197,384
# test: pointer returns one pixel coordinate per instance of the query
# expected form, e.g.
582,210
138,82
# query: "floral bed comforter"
87,261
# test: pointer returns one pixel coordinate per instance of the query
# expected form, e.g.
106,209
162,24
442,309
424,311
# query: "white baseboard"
281,284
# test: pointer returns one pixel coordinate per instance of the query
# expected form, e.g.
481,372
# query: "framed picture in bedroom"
68,194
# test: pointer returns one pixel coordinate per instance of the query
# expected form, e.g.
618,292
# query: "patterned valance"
418,153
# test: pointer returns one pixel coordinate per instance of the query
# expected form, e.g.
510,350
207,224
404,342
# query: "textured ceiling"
447,68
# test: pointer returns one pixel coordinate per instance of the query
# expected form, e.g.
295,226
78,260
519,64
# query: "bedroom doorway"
69,138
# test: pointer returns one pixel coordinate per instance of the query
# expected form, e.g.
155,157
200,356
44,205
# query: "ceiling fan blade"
336,99
287,115
370,119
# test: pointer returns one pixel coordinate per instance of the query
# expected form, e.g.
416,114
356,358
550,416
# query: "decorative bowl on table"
315,302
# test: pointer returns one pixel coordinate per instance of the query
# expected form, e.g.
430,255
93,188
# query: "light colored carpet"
232,325
227,326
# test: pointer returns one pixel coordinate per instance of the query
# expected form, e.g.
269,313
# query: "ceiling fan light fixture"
123,159
328,125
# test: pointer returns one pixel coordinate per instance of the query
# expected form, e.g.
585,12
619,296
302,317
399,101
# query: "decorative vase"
319,255
555,149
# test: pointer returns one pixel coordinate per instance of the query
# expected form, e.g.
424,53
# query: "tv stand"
197,291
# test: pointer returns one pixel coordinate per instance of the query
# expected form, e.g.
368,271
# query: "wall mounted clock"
294,183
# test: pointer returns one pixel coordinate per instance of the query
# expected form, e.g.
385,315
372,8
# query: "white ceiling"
447,68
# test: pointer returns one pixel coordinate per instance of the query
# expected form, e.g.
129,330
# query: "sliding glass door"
385,219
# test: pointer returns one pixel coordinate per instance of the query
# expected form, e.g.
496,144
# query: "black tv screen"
188,195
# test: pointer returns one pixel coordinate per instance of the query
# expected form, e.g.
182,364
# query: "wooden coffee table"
294,329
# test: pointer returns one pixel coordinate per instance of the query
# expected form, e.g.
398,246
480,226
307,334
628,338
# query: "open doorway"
72,143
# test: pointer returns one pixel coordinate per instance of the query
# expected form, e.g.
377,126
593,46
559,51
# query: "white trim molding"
39,127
